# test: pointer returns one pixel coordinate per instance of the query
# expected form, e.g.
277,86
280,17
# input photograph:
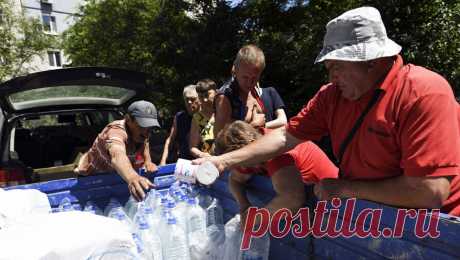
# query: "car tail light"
3,178
11,177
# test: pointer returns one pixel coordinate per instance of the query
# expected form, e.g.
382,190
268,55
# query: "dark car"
48,119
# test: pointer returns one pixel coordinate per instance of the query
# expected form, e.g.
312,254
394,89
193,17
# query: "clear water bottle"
259,249
65,205
204,200
176,247
151,198
192,190
232,239
120,215
150,240
90,206
214,213
77,207
132,206
144,253
177,213
216,242
180,211
175,185
113,203
162,224
147,212
196,217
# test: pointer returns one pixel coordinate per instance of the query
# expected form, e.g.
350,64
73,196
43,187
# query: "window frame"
52,24
53,53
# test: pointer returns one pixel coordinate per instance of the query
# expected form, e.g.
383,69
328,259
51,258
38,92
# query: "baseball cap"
145,113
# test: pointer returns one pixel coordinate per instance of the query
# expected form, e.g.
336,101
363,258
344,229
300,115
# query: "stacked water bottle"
179,223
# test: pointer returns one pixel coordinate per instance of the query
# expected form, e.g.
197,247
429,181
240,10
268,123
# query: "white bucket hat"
357,35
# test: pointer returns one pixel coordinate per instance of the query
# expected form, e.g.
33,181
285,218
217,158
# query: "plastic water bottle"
90,206
178,214
162,224
175,185
205,173
151,198
214,213
176,247
131,207
113,203
259,249
120,215
191,190
141,250
199,244
232,239
150,240
196,217
65,205
204,200
147,212
216,245
181,211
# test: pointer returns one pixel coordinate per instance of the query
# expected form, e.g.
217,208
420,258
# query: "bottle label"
185,171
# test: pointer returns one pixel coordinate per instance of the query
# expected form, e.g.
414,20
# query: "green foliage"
428,31
178,42
158,38
22,41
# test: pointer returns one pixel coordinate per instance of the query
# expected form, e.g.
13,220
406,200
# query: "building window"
54,58
49,23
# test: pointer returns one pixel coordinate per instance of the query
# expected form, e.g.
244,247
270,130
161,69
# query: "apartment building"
56,17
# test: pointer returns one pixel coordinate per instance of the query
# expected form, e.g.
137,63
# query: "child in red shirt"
305,164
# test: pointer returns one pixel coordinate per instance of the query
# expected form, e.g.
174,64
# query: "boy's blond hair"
250,54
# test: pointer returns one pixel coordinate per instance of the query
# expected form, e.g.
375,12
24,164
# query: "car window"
70,95
94,118
44,120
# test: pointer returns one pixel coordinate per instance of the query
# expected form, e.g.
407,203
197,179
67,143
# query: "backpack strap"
354,129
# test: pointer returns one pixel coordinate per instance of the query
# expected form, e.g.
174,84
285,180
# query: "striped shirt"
98,159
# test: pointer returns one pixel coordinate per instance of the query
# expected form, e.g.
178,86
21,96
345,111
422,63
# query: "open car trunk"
53,117
51,144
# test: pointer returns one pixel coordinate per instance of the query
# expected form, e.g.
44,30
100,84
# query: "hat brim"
359,51
147,122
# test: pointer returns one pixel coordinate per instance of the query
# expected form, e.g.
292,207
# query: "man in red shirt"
394,127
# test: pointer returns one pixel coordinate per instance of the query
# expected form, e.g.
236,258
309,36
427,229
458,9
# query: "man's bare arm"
275,143
170,140
223,114
148,164
280,120
120,162
237,185
401,191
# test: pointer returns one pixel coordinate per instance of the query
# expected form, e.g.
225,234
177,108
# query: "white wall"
65,12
